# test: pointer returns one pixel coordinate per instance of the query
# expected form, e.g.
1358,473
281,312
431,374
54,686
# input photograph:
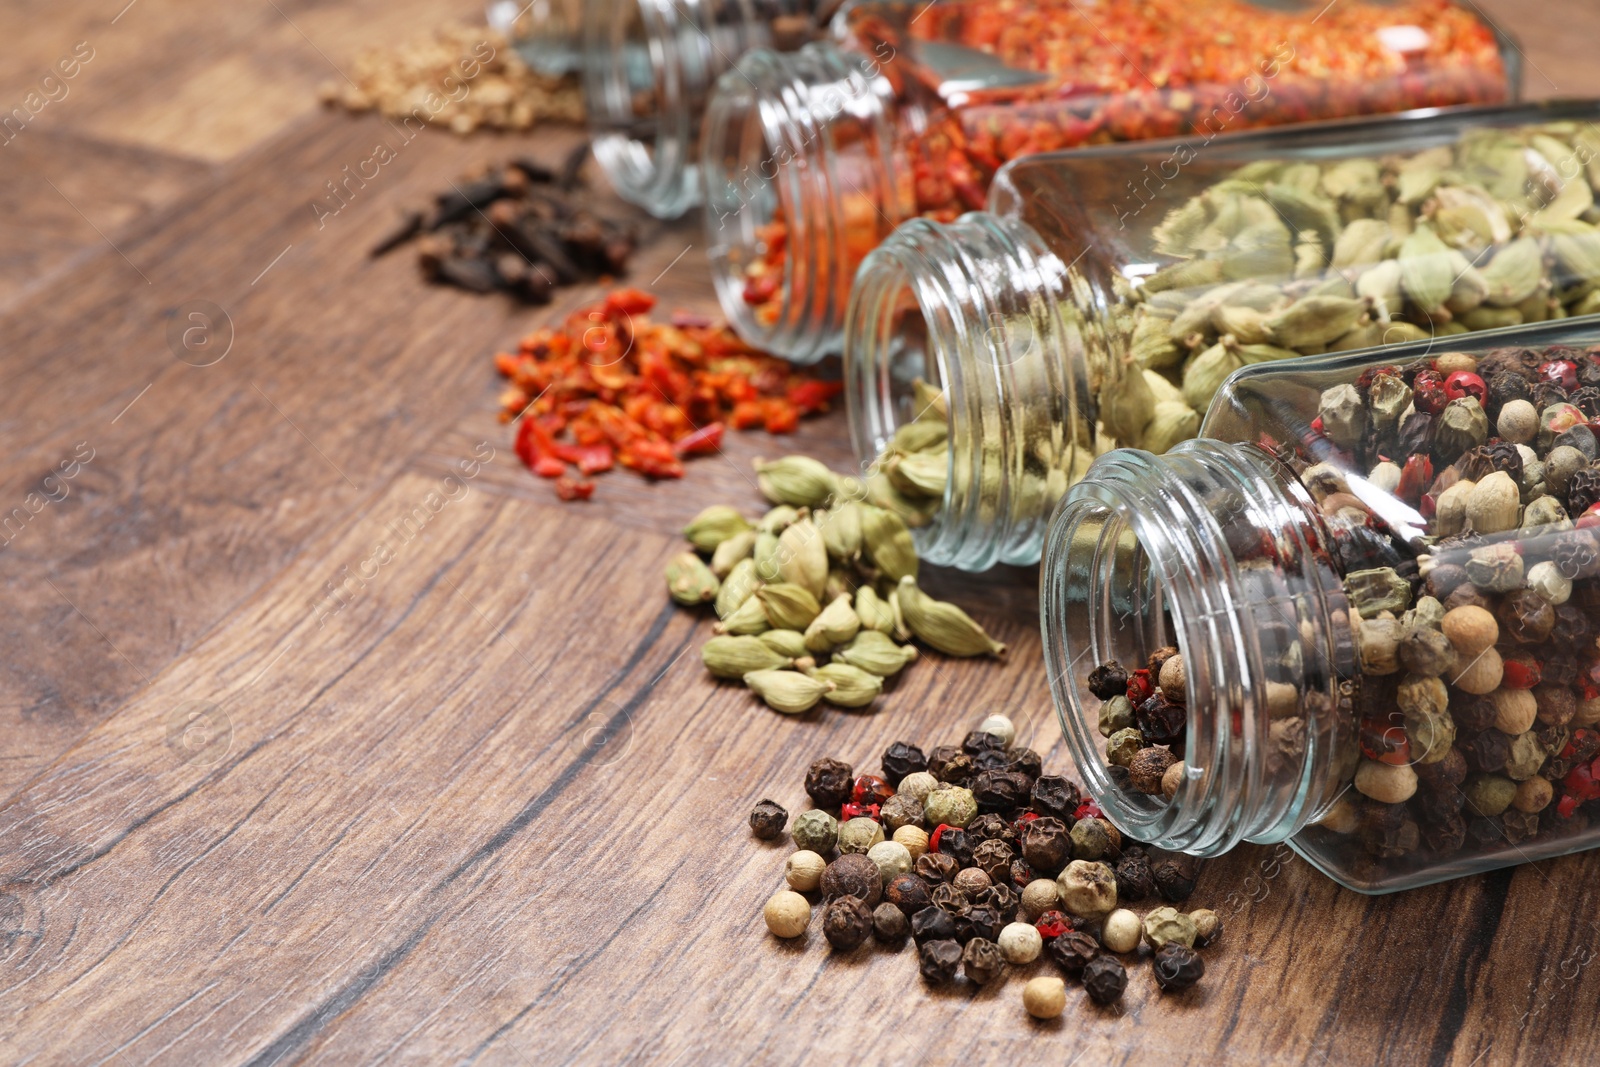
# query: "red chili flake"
1428,392
1583,782
1021,821
871,789
1520,671
570,488
1414,477
933,838
608,387
1590,517
852,810
1088,810
1384,740
1139,686
1562,372
1464,383
1317,424
1052,924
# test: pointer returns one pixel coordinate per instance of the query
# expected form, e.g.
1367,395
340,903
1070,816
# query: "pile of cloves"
519,228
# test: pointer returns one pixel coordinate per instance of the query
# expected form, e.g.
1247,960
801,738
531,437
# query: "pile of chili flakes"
610,386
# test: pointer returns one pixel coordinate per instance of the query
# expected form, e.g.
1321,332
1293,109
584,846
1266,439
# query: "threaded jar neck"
1143,553
802,176
977,309
648,67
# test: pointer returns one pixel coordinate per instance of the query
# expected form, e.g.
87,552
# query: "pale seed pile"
425,78
817,598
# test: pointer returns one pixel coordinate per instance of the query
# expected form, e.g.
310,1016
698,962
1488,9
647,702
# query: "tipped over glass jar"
812,158
1076,316
1359,615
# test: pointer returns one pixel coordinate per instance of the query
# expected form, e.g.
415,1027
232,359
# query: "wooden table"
491,809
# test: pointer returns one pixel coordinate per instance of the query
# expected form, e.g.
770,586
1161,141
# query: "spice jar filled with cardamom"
1108,293
1359,615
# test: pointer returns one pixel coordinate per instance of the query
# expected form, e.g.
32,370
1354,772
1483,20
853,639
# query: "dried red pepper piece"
609,386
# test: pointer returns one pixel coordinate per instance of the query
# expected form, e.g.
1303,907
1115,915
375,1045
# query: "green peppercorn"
1169,924
1123,746
859,835
954,806
815,831
1115,714
1090,840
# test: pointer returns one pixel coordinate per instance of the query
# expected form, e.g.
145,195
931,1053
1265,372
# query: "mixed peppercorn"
1134,71
609,386
1457,503
818,598
985,862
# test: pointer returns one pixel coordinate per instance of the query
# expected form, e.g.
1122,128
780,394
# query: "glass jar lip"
654,169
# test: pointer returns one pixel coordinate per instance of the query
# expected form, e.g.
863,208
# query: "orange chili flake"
610,386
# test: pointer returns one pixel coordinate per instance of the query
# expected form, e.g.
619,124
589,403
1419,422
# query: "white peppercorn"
1482,674
1039,896
917,785
787,913
1001,726
891,857
915,840
1518,422
1547,580
1171,679
1121,931
803,870
1169,924
1471,629
1385,782
1173,779
1207,926
859,835
1020,943
1044,997
1514,710
1088,890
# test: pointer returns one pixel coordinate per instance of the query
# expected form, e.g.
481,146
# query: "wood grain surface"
486,807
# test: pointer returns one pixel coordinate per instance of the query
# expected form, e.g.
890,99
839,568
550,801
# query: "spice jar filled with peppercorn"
990,359
812,158
1361,615
648,67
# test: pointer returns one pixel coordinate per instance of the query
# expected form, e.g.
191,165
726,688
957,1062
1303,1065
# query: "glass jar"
1076,316
648,67
811,159
1381,575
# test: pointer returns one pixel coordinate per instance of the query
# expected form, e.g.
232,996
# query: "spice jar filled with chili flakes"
1074,317
648,67
1360,615
812,158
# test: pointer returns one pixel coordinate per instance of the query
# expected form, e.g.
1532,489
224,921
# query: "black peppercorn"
1526,617
938,960
1072,951
1466,595
846,923
981,741
1485,833
768,820
1543,394
1046,844
908,893
1438,805
889,924
993,857
1445,834
901,759
1443,775
1390,840
981,960
1056,796
1160,720
955,843
1104,979
1487,750
978,920
1026,761
991,827
990,759
998,791
828,783
1444,579
957,770
1571,631
1174,877
941,755
1158,659
1472,714
936,868
1177,967
1135,879
1583,490
852,875
1003,898
933,924
946,896
1108,680
1519,825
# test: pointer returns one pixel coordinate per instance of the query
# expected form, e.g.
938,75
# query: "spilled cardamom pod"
791,643
790,692
852,686
873,611
796,480
690,581
834,625
876,652
887,542
713,526
942,625
841,530
730,656
731,552
739,586
802,556
748,618
788,606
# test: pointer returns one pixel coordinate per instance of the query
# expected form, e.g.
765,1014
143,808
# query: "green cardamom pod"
791,643
1570,203
1149,344
1175,235
690,581
876,652
1190,274
748,618
942,625
929,402
1399,333
1126,406
882,493
766,556
902,632
1263,250
1491,318
1244,324
1419,175
1514,273
730,656
840,583
796,480
1469,288
852,686
920,436
789,606
713,526
873,611
1363,335
777,519
887,542
920,474
731,552
790,692
1205,373
1315,320
1579,253
1425,270
1361,244
1173,423
738,587
841,530
836,624
803,557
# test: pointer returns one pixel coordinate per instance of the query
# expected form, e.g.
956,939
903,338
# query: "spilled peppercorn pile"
990,862
822,574
611,386
521,228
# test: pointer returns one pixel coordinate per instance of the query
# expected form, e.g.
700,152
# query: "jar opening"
634,69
